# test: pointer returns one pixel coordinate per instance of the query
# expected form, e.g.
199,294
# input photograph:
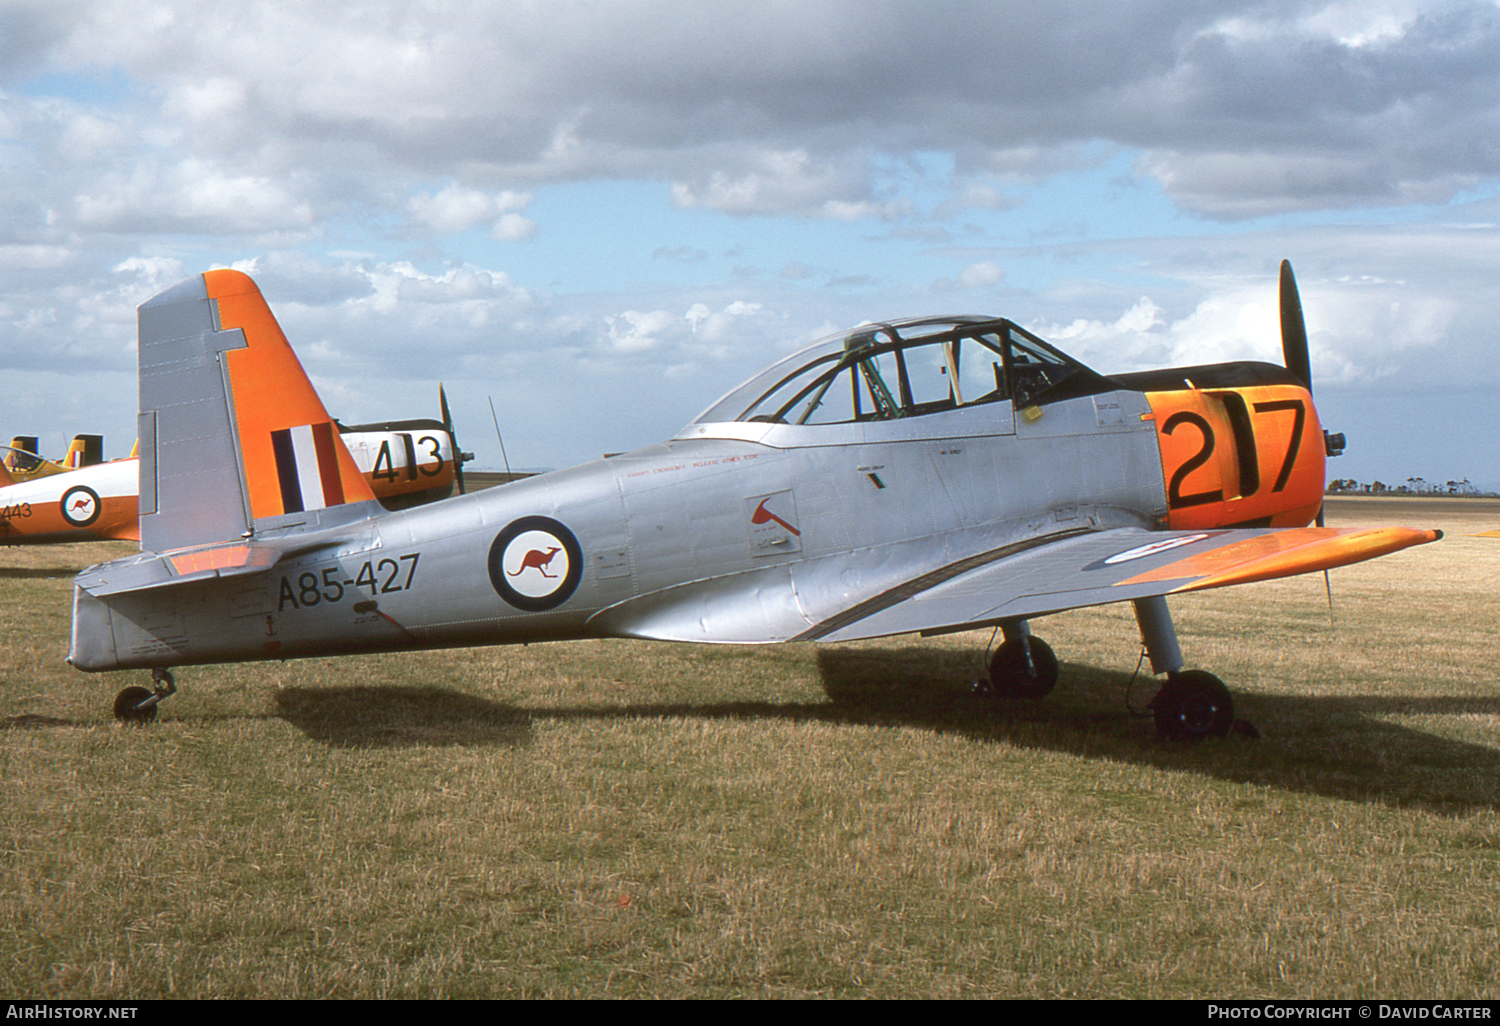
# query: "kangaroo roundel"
535,563
81,506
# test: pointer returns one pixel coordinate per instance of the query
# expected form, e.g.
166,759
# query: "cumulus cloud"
371,166
975,276
1242,108
189,195
636,332
456,209
783,182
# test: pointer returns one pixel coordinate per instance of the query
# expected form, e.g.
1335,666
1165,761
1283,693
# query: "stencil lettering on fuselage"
535,564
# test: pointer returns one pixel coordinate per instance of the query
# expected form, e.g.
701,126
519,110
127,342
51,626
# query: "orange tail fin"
232,431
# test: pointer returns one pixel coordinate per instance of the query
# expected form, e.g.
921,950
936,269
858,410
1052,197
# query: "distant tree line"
1413,486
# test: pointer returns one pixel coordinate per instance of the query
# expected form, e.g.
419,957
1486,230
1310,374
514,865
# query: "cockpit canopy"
908,369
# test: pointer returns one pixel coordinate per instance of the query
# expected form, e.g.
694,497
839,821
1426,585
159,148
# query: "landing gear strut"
1192,704
1024,666
136,704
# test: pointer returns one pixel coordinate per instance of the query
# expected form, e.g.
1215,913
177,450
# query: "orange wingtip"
1285,554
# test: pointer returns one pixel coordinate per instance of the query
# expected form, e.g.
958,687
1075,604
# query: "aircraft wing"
1045,575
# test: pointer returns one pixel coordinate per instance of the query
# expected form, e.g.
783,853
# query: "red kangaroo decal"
536,558
763,515
79,504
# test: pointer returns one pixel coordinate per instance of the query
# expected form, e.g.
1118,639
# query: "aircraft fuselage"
632,545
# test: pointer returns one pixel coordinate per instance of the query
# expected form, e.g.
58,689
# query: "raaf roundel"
926,475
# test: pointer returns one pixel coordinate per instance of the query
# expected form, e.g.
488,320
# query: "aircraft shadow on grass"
1337,747
37,573
367,716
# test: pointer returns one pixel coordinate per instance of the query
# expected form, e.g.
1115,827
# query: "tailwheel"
1023,667
137,705
131,705
1193,705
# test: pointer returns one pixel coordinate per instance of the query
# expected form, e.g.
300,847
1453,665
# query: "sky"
600,216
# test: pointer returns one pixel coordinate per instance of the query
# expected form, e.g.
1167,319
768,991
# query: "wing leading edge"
1048,575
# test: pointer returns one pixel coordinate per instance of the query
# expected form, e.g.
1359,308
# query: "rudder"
231,430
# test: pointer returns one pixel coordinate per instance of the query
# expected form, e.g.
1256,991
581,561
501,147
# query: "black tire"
1011,677
127,704
1193,705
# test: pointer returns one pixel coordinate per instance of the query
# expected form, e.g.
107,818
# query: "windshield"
906,369
20,460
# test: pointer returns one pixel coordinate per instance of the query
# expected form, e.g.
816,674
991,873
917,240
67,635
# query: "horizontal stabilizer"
184,566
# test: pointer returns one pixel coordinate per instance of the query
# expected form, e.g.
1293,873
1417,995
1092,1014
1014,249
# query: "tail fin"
231,430
86,451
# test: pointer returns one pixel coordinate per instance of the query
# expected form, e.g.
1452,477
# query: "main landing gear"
1023,666
136,704
1190,706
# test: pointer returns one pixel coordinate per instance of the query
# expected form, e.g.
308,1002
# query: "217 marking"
1177,500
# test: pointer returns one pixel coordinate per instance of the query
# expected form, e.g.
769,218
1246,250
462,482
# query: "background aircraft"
927,475
408,462
405,463
55,504
21,460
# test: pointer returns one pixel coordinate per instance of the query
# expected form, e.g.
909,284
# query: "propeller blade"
458,454
1294,351
1294,328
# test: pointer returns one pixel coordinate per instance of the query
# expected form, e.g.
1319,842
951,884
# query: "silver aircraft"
926,475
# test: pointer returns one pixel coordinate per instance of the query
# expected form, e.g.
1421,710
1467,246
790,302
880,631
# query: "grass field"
630,819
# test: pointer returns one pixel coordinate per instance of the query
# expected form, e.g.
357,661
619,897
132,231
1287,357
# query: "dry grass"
630,819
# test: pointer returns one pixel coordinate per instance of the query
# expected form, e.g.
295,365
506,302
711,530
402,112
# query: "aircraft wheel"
1012,677
127,701
1193,705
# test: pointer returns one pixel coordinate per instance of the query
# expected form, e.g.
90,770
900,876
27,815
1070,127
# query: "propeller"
459,456
1294,352
1293,328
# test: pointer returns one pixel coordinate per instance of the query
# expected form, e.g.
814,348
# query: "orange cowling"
1240,457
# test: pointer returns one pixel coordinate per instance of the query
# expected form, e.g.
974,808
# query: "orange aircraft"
45,506
406,463
23,463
